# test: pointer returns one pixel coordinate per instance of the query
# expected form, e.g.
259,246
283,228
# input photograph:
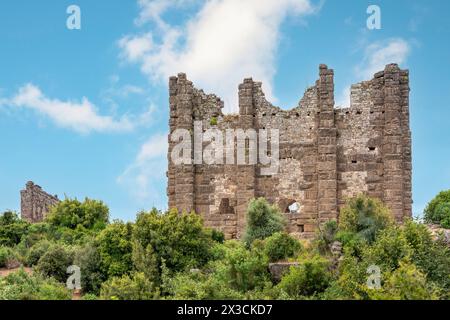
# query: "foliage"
438,211
310,278
54,263
135,287
263,220
37,251
12,229
178,239
213,121
71,213
405,283
281,246
22,286
326,236
364,216
89,260
6,255
115,249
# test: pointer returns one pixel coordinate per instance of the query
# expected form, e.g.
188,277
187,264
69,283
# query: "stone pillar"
407,152
393,138
180,188
246,180
326,166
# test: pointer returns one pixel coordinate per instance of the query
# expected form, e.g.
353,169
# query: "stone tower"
327,154
35,203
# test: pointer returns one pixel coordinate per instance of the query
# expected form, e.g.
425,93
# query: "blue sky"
84,112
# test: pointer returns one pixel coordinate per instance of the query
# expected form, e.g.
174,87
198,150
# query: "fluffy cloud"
79,116
376,56
224,42
379,54
147,171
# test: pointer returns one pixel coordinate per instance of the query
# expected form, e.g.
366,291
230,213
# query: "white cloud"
147,171
376,56
80,116
379,54
226,41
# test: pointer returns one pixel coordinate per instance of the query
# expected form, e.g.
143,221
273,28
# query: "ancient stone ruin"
327,154
35,203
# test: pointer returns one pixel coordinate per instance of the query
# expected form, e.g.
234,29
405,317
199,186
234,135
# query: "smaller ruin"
35,203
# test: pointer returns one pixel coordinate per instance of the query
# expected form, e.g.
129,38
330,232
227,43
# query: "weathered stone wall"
326,154
35,203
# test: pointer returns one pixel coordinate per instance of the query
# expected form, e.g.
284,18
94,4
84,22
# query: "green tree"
115,248
23,286
405,283
54,263
364,216
135,287
12,229
263,220
178,239
437,211
310,278
280,246
89,260
71,213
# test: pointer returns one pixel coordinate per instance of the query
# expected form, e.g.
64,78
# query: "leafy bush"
90,214
326,236
22,286
281,246
6,255
310,278
54,263
89,260
364,216
438,211
179,240
405,283
242,269
213,121
12,229
263,220
136,287
37,251
115,249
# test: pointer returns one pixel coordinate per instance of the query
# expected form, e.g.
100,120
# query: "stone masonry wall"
327,154
35,203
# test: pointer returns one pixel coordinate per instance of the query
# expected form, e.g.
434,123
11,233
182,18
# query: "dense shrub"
178,239
12,229
6,255
22,286
310,278
326,236
89,214
54,263
135,287
438,211
405,283
281,246
263,220
364,216
37,251
89,260
115,249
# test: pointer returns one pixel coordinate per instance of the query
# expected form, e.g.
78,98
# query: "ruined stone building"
35,203
327,154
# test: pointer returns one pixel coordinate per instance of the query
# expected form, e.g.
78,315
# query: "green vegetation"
173,256
438,210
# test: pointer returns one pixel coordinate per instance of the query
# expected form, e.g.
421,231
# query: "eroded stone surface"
35,203
326,154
